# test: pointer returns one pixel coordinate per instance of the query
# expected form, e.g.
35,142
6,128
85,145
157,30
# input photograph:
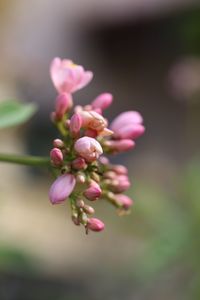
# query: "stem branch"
26,160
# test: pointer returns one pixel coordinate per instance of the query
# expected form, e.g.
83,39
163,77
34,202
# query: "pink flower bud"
75,124
103,101
56,157
88,148
95,224
119,169
124,200
68,77
91,133
104,160
79,163
58,143
93,120
128,125
80,177
120,145
93,192
63,104
61,188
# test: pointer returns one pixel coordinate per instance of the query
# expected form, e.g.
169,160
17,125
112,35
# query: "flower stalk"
26,160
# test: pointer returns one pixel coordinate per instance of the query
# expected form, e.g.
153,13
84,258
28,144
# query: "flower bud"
56,157
95,224
61,188
75,125
88,148
80,177
63,104
89,209
124,200
80,203
103,101
79,163
93,192
58,143
128,125
120,145
119,169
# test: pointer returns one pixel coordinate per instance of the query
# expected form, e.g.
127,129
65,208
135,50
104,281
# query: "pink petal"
61,188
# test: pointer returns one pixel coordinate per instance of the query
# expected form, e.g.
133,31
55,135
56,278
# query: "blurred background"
147,53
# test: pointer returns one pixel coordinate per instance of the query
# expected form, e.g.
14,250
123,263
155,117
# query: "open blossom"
88,148
83,173
68,77
128,125
61,188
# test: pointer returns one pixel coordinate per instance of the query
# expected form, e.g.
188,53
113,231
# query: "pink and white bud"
68,77
63,104
79,163
124,200
104,160
130,131
56,157
88,148
95,224
80,177
93,192
58,143
93,120
75,125
120,145
119,169
128,125
103,101
62,188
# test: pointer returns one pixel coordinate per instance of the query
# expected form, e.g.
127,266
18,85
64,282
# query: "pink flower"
56,157
62,188
88,148
124,200
68,77
63,104
93,192
128,125
95,224
75,124
102,102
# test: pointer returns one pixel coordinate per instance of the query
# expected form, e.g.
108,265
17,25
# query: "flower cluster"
83,173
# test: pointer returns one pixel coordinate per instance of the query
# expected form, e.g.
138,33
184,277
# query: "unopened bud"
79,163
89,209
75,125
56,157
95,176
80,178
93,192
75,220
80,203
84,218
58,143
63,104
95,224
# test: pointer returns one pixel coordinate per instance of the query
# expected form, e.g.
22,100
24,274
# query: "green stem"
26,160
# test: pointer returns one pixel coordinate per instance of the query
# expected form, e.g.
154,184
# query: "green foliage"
14,113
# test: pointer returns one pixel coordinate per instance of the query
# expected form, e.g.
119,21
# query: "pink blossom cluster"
84,174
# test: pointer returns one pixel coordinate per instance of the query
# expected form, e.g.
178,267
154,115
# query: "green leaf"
13,113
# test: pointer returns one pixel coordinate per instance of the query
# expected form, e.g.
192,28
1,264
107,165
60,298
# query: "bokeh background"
147,53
